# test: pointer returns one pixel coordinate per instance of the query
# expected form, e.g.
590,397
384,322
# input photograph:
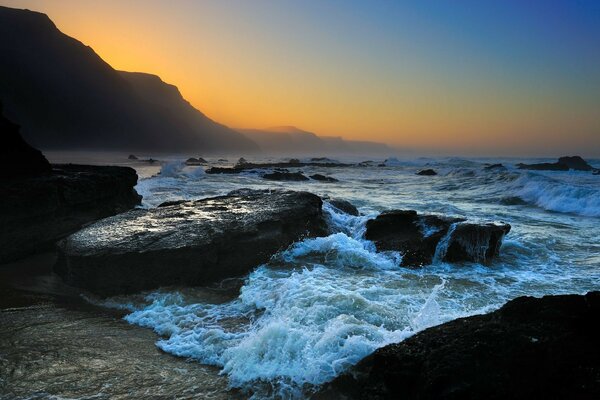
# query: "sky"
460,77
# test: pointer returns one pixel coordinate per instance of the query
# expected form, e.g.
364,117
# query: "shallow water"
323,304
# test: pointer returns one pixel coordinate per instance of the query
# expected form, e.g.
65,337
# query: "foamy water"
323,304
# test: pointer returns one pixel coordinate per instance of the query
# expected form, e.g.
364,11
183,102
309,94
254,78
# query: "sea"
320,306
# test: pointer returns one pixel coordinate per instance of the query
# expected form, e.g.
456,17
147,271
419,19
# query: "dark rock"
475,242
563,164
345,206
17,158
323,178
494,166
242,161
294,161
195,161
575,162
427,172
419,237
132,157
547,348
285,176
188,243
36,212
222,160
544,167
223,170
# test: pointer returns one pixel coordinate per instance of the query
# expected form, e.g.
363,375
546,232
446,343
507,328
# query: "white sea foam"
568,195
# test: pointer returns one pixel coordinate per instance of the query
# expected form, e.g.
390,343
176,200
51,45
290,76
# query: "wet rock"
531,348
475,242
195,161
490,167
223,170
323,178
17,158
345,206
132,157
285,176
427,172
294,161
563,164
420,238
35,212
188,243
242,161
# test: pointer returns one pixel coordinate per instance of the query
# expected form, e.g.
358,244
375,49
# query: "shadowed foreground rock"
420,238
563,164
188,242
35,212
546,348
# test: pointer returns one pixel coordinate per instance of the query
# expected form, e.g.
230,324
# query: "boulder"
132,157
323,178
17,158
421,238
563,164
285,176
427,172
531,348
37,211
195,161
187,243
345,206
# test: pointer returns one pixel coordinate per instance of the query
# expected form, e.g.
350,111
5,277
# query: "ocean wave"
565,195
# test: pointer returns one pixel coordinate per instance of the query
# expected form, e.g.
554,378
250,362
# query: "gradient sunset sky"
463,77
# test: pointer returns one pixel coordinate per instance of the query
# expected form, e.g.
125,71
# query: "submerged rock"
323,178
427,172
345,206
563,164
188,243
35,212
494,166
285,176
530,348
421,238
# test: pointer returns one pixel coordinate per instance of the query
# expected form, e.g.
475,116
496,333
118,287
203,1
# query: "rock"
544,167
475,242
427,172
35,212
132,157
223,170
575,162
494,166
345,206
285,176
222,160
294,161
18,158
195,161
563,164
419,238
596,172
241,161
323,178
188,243
531,348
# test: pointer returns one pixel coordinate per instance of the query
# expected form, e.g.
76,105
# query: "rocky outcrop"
17,158
563,164
285,176
323,178
189,242
345,206
427,172
531,348
35,212
195,161
243,165
421,238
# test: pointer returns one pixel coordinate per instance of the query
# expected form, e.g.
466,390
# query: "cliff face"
66,97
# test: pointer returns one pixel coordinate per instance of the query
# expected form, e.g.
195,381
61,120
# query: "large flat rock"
189,242
531,348
37,211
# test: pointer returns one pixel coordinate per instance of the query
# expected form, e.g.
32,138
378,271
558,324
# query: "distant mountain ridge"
291,140
66,97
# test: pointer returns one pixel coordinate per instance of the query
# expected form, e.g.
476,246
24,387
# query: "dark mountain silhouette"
291,140
66,97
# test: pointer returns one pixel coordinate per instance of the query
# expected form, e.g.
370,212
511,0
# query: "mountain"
66,97
291,140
